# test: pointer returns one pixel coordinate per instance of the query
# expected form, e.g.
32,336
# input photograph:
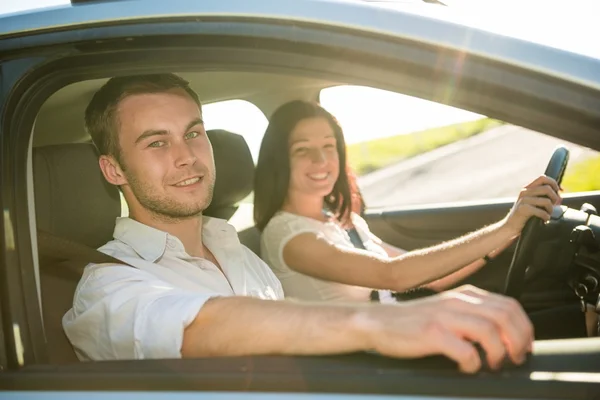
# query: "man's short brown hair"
101,117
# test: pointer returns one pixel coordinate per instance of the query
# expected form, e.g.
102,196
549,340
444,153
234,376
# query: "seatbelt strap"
53,249
359,244
355,238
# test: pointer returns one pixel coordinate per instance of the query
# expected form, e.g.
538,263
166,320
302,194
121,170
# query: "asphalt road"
493,164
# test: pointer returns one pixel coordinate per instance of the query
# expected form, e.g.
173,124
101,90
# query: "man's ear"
112,170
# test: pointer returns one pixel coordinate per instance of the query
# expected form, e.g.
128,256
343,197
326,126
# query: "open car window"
269,57
408,151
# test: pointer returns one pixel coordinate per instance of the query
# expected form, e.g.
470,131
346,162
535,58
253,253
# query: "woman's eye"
330,146
192,135
300,150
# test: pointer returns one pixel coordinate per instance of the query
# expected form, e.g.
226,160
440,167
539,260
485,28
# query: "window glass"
409,151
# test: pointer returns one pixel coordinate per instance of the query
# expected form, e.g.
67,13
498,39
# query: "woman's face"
314,160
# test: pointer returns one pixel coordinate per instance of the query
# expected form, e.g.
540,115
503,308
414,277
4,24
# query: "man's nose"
184,155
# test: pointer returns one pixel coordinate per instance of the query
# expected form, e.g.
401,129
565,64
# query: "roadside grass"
582,176
378,153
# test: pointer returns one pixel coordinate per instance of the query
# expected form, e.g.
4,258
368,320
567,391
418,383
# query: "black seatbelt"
359,244
355,238
72,257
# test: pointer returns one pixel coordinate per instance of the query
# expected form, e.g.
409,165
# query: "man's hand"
445,324
449,324
535,200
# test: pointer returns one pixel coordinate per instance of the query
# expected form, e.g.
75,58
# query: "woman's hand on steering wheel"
537,199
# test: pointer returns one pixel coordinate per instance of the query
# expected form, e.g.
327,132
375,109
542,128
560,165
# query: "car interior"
73,201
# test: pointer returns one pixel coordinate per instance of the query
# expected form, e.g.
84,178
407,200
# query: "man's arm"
444,324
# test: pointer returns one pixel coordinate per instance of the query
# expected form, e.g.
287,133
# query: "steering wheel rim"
531,232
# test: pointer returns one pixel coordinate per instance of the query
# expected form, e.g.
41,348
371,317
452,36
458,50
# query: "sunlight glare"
366,113
238,116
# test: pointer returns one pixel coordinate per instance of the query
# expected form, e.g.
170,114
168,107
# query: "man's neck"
307,206
188,230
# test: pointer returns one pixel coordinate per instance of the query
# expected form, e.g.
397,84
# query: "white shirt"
120,312
284,226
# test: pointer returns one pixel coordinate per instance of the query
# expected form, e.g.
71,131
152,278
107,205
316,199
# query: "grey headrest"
235,172
73,200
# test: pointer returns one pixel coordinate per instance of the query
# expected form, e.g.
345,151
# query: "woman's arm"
455,277
391,250
308,254
311,255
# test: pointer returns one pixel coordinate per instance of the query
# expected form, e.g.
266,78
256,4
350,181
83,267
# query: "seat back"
235,181
74,201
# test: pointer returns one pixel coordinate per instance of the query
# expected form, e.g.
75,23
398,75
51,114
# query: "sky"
573,25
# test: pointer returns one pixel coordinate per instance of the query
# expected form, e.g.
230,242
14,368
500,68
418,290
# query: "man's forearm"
233,326
445,324
424,266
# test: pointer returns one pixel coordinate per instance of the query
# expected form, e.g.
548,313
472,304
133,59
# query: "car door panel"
416,227
348,374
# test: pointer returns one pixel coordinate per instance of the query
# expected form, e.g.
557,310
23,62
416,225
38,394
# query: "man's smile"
189,181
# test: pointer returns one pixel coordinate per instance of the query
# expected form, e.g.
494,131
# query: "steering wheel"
532,231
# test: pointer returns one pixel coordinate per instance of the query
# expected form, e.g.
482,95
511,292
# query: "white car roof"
427,23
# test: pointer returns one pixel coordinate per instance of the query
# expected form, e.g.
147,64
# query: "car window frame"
87,60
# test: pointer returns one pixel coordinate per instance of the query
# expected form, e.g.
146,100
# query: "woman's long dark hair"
272,176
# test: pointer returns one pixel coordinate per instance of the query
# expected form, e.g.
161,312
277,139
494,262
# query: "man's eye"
158,143
192,135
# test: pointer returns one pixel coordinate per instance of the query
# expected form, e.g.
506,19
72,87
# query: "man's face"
166,158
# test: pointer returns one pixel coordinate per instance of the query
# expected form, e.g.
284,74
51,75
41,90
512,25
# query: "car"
56,204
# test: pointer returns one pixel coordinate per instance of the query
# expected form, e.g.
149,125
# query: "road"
493,164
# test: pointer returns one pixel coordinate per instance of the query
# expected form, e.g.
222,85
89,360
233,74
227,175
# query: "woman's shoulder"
359,221
284,221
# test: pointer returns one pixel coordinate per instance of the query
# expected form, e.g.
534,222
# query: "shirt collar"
151,243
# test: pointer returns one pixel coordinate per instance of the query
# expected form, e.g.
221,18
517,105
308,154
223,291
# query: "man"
196,291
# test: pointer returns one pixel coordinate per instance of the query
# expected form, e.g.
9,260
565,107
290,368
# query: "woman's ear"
112,170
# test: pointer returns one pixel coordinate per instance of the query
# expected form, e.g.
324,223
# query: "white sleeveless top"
284,226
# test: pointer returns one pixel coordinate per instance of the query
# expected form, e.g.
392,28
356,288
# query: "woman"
307,206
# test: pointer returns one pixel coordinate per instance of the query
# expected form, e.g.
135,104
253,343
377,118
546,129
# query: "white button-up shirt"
120,312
